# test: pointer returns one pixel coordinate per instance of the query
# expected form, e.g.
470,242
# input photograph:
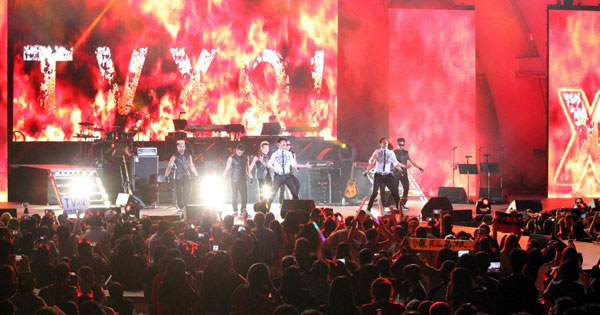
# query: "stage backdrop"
573,96
212,62
432,91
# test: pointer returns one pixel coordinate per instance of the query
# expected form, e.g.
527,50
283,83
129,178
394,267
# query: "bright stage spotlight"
212,190
483,206
267,191
82,186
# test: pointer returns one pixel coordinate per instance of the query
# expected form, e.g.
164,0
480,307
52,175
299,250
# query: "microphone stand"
468,157
481,147
487,166
453,165
502,164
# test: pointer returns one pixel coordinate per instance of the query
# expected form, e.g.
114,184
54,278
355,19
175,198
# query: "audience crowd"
329,265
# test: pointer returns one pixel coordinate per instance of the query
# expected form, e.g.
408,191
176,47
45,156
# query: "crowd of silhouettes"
208,264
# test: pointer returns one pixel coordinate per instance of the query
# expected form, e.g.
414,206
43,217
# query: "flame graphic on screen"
264,58
573,75
583,152
432,92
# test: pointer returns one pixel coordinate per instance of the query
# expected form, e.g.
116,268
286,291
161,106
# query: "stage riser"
207,149
30,185
209,154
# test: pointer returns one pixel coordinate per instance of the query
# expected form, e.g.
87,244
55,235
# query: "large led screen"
140,64
432,92
573,96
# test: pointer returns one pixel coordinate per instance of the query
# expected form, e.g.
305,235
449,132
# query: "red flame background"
239,30
432,91
574,62
3,102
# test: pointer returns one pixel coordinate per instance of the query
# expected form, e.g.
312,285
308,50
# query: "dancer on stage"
401,176
183,164
238,164
384,160
281,162
294,178
261,161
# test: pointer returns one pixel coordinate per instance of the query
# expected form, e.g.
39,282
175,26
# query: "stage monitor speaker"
124,199
522,205
459,216
299,205
454,194
435,203
11,211
541,239
143,168
261,206
294,218
496,196
193,211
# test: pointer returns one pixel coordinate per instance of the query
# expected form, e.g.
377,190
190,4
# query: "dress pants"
239,186
287,180
183,191
379,181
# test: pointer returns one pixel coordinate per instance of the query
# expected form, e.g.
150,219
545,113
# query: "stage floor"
590,251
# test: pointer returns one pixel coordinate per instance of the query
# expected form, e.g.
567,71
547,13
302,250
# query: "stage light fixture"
132,208
211,190
483,206
346,152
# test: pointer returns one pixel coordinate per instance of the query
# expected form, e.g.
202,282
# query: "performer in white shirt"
294,178
384,161
281,163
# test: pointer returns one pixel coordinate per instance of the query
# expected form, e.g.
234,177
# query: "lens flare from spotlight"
267,192
211,190
82,186
375,213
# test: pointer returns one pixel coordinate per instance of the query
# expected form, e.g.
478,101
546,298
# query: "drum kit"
102,141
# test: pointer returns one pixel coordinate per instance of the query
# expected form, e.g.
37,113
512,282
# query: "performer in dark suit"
401,175
263,175
239,166
183,164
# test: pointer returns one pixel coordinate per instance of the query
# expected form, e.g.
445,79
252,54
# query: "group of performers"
390,171
280,164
